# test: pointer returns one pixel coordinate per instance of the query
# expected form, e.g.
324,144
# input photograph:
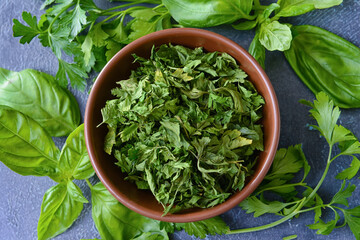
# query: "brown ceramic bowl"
119,67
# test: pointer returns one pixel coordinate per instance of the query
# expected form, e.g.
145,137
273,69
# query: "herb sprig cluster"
299,197
185,125
90,36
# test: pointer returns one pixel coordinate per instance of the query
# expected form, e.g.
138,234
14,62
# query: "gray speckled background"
21,197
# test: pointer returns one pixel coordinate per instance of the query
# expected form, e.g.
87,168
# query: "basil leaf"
207,13
25,147
247,25
36,94
275,36
61,206
115,221
209,226
290,8
326,62
257,50
74,160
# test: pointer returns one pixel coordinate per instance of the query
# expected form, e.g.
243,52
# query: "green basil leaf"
207,13
275,36
149,236
269,9
247,25
257,50
38,95
211,226
326,62
25,147
290,8
115,221
74,160
61,206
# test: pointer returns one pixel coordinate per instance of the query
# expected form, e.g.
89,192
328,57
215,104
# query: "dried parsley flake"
186,126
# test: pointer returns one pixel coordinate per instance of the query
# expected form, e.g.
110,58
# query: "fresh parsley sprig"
90,36
289,161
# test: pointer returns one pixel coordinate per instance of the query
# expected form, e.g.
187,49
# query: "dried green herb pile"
186,126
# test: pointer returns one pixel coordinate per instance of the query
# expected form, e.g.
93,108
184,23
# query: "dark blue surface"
21,197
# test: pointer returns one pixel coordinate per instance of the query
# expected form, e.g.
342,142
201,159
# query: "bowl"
119,67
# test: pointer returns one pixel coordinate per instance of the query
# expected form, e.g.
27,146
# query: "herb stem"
263,227
297,210
312,194
89,183
107,11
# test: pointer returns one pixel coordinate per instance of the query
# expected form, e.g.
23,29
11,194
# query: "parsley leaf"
352,218
341,196
254,205
350,172
326,116
75,74
325,228
77,18
27,33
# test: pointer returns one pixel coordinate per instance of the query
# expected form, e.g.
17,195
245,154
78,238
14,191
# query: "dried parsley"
185,125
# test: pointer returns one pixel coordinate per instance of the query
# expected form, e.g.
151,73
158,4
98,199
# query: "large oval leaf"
290,8
207,13
115,221
275,36
25,147
74,160
38,95
61,206
326,62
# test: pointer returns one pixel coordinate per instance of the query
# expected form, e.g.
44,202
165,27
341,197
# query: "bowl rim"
208,212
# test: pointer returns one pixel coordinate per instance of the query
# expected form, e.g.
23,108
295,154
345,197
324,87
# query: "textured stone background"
21,197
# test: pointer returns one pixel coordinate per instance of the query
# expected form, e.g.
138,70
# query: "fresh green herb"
211,226
64,23
184,125
114,221
78,28
199,229
208,13
36,94
289,161
332,65
61,206
74,162
25,147
63,203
